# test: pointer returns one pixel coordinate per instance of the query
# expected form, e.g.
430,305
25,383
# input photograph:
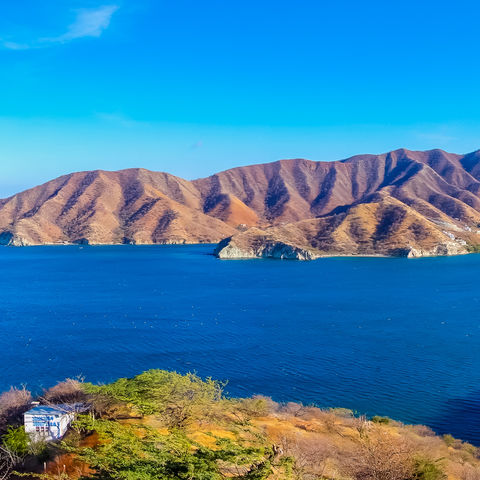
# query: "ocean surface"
382,336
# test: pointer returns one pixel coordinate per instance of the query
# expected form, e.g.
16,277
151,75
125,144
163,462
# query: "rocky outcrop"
441,249
229,249
9,239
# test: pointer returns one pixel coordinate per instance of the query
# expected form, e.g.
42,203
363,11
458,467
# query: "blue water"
392,337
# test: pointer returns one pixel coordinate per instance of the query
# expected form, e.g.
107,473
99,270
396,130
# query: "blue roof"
60,409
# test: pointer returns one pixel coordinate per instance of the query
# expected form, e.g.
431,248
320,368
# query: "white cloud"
88,23
15,45
117,119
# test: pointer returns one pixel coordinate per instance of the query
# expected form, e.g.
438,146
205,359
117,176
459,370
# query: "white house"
45,422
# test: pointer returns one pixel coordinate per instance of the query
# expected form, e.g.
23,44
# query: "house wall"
47,427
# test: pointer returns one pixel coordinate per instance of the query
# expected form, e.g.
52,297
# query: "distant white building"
45,422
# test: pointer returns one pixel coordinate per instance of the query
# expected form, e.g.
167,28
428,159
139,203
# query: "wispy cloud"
117,119
90,22
15,45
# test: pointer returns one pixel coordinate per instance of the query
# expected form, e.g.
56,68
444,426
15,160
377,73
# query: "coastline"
247,438
214,245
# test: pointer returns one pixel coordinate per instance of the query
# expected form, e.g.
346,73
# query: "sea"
381,336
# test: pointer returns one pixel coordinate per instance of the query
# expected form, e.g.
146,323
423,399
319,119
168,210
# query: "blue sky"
193,87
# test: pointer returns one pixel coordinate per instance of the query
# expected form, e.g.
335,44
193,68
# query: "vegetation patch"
161,425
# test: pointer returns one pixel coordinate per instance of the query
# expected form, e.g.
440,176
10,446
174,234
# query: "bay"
382,336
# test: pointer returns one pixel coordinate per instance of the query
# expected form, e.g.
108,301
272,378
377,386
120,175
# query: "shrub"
380,420
177,399
17,441
471,449
379,456
449,440
329,420
68,391
423,430
13,404
343,412
361,424
8,460
308,455
292,408
426,469
245,409
140,453
469,472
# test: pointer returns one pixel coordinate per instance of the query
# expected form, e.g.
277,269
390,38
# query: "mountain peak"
141,206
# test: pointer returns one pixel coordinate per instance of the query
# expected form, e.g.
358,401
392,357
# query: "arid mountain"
129,206
402,202
381,226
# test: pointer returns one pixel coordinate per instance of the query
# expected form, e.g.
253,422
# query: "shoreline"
134,417
179,244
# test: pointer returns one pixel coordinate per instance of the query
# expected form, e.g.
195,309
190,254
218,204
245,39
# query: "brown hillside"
427,202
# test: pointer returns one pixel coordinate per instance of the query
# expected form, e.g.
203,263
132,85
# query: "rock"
228,249
12,240
440,250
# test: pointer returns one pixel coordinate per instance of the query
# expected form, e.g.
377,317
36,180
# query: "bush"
17,441
68,391
13,404
469,472
343,412
469,448
423,430
292,409
140,453
473,248
449,440
380,456
426,469
177,399
245,409
8,460
308,456
380,420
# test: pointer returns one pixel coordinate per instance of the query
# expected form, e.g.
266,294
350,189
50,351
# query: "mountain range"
407,203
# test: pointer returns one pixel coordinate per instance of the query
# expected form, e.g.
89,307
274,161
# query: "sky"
197,86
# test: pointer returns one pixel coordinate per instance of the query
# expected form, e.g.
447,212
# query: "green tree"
426,469
17,441
137,452
178,399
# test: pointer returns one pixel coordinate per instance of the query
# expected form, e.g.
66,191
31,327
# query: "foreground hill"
401,202
164,426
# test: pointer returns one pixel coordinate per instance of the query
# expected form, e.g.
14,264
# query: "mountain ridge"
425,201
